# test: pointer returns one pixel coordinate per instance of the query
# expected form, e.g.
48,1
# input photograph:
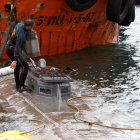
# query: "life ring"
117,10
130,16
80,5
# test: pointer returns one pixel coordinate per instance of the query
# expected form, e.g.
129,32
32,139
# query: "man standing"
13,51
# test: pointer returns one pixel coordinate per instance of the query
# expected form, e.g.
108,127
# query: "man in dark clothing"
13,51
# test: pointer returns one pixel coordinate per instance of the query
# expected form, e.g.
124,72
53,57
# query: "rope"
13,8
45,116
84,120
1,35
89,122
36,120
5,39
6,79
6,34
92,87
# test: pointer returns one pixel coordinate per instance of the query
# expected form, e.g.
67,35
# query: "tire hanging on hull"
117,10
130,16
80,5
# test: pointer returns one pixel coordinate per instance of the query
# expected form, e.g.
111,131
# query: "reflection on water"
116,70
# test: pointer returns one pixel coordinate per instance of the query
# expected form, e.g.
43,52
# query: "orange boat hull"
59,28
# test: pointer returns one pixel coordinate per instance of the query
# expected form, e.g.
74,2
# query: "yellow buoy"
13,135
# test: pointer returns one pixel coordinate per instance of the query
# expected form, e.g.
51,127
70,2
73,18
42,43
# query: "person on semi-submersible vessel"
15,45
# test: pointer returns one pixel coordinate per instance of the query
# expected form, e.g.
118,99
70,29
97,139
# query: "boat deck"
59,119
58,116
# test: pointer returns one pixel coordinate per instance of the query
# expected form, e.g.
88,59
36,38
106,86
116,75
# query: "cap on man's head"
29,22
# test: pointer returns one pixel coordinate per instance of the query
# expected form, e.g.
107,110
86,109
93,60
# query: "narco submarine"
63,26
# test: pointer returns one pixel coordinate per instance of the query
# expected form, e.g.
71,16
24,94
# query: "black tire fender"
117,10
80,5
130,16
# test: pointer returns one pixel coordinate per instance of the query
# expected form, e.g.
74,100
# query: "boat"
67,25
137,2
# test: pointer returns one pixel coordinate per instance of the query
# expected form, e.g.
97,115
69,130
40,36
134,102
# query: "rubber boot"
17,86
23,88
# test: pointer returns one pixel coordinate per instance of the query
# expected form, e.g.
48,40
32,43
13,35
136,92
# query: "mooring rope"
45,116
26,119
89,122
77,118
13,8
19,118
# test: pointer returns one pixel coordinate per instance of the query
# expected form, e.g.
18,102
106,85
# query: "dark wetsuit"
14,46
